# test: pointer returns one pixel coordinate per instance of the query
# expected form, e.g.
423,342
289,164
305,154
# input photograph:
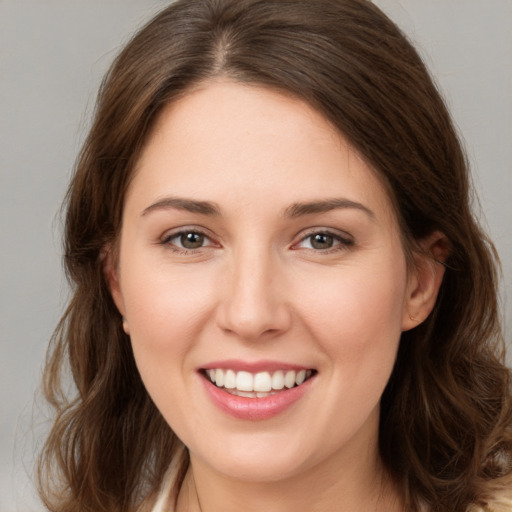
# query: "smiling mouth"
256,385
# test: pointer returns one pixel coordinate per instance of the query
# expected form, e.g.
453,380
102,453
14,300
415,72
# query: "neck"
359,485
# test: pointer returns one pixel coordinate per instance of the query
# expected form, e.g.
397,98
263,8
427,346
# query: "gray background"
52,56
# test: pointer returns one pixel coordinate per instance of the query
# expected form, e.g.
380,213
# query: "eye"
191,240
321,241
324,241
187,240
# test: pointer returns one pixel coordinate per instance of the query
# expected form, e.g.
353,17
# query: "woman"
281,299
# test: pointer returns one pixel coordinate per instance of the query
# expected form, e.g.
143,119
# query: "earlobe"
126,327
111,274
425,279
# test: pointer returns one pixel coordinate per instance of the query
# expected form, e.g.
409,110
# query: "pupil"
192,240
321,241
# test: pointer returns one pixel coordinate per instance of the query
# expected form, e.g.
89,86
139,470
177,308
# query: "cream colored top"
501,503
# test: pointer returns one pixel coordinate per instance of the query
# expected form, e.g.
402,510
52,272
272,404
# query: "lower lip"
255,408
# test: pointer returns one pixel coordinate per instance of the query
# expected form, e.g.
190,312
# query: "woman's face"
258,250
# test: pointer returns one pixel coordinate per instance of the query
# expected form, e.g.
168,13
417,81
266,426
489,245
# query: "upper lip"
253,366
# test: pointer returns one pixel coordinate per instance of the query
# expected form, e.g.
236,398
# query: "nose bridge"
253,304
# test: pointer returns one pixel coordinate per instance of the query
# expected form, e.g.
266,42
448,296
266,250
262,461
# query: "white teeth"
262,382
289,379
246,394
278,380
244,381
258,385
230,379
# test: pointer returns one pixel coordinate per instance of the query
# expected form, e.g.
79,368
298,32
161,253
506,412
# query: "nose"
253,304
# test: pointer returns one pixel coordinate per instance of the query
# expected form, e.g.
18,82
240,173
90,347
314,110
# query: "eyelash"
340,243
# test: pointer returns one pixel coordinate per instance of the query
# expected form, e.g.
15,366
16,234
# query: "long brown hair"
446,414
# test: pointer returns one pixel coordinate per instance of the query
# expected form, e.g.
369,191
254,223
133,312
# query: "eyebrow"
326,205
188,205
293,211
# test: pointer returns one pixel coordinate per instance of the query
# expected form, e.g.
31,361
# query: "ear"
111,272
425,279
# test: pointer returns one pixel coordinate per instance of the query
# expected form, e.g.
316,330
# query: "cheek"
357,317
167,311
356,323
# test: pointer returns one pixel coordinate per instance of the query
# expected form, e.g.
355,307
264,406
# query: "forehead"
239,143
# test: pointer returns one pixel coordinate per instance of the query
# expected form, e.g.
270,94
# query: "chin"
259,458
260,470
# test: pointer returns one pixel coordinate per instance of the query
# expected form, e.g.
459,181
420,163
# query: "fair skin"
255,239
